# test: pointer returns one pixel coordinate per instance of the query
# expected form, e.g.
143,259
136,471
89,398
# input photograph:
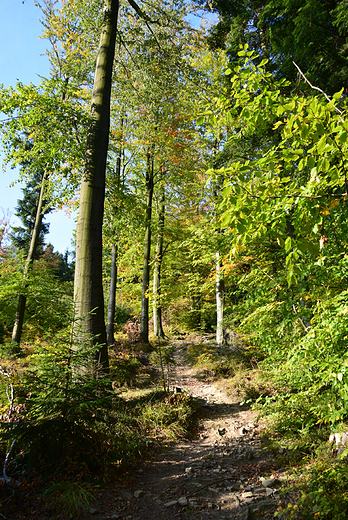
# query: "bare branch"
317,88
140,12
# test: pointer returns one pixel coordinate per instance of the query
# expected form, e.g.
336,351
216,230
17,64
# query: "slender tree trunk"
157,307
144,320
262,34
114,253
219,281
22,299
88,291
220,297
112,297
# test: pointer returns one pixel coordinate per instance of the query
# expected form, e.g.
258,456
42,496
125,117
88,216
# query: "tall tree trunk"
114,253
219,281
157,307
88,291
22,299
112,297
220,297
144,320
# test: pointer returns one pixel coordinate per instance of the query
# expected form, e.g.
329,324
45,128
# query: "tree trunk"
144,320
112,297
22,299
88,291
157,307
114,252
220,296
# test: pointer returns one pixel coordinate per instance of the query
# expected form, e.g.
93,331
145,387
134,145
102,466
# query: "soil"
224,473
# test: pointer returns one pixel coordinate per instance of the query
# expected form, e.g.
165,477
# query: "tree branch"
317,88
140,12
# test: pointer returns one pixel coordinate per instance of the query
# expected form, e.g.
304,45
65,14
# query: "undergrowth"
72,429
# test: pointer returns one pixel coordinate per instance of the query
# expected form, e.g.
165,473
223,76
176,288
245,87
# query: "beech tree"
88,275
88,293
157,270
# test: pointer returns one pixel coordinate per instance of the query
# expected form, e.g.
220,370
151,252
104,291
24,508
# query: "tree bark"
22,299
114,253
88,291
144,320
112,297
157,307
220,297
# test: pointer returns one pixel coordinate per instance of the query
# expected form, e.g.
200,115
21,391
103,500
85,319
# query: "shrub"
325,492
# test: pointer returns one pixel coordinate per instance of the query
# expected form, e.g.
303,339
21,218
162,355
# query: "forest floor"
224,472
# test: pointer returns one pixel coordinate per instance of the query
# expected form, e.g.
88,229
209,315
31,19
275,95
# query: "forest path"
224,473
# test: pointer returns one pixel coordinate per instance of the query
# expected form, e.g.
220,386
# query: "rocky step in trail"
224,474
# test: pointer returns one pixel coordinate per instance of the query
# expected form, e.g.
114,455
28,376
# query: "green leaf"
324,165
337,96
241,228
322,144
263,62
291,279
311,162
343,137
226,191
287,244
302,163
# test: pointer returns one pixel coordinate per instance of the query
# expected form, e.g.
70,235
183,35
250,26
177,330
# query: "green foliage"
217,361
74,425
70,498
124,368
122,315
283,188
324,494
56,430
44,130
170,418
49,300
312,33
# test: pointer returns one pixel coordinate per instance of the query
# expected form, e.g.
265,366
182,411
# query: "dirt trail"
224,474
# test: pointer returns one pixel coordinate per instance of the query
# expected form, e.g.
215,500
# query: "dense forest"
208,167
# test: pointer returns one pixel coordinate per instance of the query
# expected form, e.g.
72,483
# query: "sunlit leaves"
43,128
300,160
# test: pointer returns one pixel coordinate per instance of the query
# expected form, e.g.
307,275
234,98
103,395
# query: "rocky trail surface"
224,473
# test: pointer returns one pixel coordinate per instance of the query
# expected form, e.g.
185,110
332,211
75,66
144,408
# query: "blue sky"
22,59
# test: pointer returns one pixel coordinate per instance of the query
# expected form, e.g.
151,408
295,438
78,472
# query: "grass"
71,498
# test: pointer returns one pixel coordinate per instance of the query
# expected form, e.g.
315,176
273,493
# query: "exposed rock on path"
224,474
